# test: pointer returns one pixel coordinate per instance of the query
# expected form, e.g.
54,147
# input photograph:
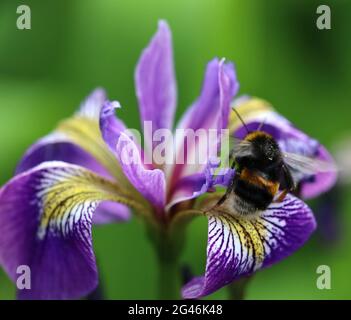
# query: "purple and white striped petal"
150,183
239,246
45,224
111,212
259,114
155,83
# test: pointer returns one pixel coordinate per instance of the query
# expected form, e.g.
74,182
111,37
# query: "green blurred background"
280,55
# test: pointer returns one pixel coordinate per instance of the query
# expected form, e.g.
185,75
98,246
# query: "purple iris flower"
82,174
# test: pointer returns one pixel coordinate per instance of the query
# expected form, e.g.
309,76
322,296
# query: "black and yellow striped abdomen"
255,191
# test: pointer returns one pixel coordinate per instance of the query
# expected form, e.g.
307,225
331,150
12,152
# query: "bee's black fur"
264,168
257,197
266,156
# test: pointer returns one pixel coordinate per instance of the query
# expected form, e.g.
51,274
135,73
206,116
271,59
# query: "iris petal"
77,140
239,245
150,183
45,224
155,83
58,146
209,112
110,126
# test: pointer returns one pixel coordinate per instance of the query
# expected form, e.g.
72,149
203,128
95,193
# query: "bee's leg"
224,197
282,196
229,189
289,183
232,159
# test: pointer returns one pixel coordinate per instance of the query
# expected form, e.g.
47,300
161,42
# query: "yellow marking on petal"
86,133
247,110
252,239
63,194
250,234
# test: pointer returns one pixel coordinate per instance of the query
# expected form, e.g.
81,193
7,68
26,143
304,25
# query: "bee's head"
265,151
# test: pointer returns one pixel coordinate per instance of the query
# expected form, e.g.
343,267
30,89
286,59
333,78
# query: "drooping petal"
321,182
239,245
111,212
45,224
259,114
208,114
155,83
149,182
58,147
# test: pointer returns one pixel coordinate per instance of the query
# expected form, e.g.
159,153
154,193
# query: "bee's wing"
231,148
240,148
307,165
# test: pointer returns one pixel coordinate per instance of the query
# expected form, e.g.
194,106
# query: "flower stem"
168,246
168,280
237,289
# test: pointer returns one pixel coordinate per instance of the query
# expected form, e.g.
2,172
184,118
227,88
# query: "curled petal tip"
115,105
109,108
163,25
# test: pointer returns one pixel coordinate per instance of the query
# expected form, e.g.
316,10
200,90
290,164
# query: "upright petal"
91,106
259,114
110,126
211,109
149,182
45,224
239,245
208,114
155,82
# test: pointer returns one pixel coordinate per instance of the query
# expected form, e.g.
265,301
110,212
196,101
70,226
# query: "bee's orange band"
271,186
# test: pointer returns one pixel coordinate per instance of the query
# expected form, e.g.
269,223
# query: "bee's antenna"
262,124
241,119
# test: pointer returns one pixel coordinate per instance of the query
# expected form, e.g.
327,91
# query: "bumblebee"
263,172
